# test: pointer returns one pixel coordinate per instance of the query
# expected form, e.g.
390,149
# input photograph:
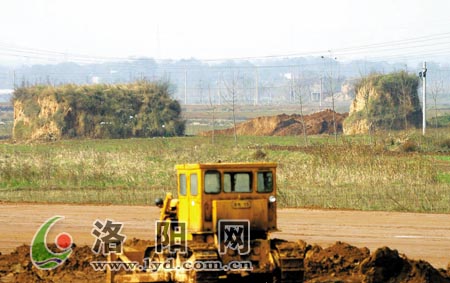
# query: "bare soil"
288,125
17,267
345,263
420,236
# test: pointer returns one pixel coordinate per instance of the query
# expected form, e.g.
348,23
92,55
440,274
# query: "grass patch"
444,178
349,173
443,157
440,121
443,165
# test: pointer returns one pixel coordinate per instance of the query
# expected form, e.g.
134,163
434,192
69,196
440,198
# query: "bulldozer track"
206,253
289,256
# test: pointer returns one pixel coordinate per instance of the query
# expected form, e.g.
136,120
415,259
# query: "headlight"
272,199
159,202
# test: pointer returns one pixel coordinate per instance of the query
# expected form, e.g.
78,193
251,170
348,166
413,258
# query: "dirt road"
419,236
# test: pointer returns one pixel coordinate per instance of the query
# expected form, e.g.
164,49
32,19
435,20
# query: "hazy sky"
213,28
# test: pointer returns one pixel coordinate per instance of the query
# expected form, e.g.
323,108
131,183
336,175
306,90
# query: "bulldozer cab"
210,192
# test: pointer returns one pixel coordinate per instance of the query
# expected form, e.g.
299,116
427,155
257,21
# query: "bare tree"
232,91
332,60
200,90
437,86
334,113
213,112
299,91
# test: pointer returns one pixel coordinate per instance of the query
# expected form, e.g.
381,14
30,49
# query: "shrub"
445,143
409,146
259,154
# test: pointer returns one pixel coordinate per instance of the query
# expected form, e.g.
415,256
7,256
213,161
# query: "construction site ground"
332,234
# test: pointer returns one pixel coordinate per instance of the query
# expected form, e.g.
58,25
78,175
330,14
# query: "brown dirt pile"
386,265
338,263
340,260
345,263
17,267
287,125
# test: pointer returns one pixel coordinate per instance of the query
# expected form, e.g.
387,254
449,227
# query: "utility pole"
423,75
322,78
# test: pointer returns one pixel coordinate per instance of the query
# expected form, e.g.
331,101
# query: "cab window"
194,184
239,182
212,182
182,184
265,182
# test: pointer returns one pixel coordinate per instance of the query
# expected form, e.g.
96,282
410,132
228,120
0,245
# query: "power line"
342,50
50,55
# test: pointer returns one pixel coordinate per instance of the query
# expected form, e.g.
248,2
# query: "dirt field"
419,236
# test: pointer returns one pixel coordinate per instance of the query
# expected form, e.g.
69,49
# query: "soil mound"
340,262
287,125
386,265
17,267
340,259
345,263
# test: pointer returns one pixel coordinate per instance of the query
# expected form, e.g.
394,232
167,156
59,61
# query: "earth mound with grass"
141,109
384,102
288,125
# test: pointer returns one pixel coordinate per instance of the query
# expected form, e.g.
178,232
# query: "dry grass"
349,174
358,177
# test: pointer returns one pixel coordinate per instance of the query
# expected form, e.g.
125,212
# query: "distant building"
315,96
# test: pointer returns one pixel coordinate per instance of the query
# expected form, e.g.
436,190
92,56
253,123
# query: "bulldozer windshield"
239,182
216,182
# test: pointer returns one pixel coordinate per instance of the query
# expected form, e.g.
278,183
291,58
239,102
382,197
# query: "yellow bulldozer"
217,230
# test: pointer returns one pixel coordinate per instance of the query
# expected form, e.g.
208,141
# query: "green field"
378,173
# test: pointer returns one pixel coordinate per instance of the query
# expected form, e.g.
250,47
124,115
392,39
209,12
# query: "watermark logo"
41,256
234,235
107,237
171,235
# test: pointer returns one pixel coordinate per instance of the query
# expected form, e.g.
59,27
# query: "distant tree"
213,110
232,87
299,90
437,86
331,85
